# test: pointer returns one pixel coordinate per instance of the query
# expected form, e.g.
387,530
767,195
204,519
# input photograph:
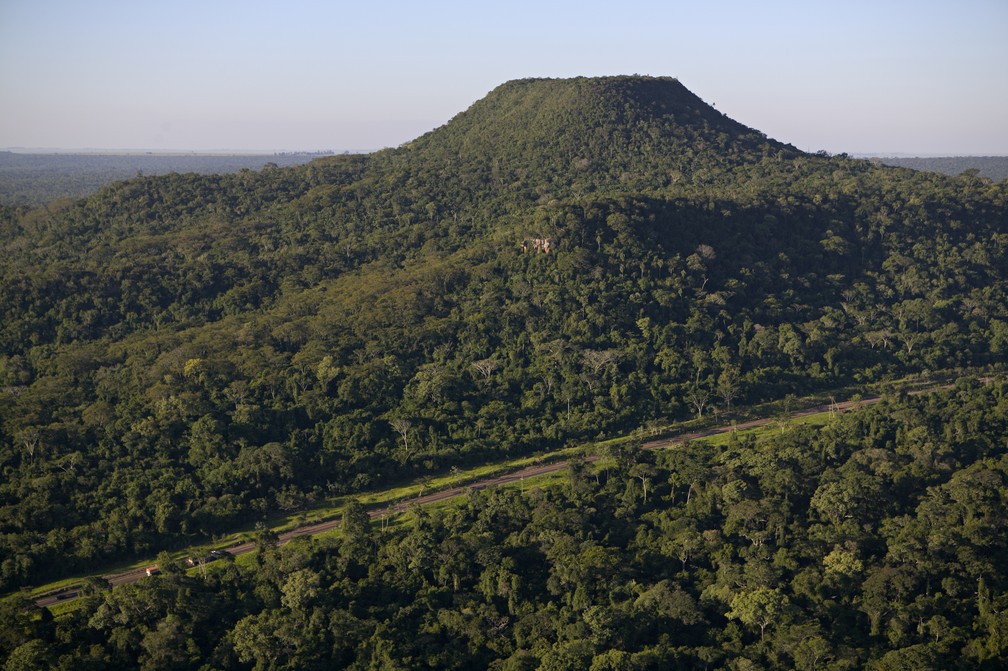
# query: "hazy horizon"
112,151
863,78
141,151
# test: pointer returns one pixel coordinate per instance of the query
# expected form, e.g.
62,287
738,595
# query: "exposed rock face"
537,245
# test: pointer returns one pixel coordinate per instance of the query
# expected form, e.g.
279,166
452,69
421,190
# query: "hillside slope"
181,354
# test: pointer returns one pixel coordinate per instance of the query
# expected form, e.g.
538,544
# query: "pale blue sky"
920,76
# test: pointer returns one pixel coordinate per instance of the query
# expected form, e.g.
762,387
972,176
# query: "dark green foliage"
735,559
184,353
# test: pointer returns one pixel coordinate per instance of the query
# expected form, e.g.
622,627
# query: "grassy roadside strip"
559,478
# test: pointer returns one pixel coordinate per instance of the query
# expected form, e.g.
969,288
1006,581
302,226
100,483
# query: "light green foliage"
842,562
759,608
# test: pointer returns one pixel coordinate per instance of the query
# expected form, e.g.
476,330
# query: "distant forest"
991,167
38,179
33,180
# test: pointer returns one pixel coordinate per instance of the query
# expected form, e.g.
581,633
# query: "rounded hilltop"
608,130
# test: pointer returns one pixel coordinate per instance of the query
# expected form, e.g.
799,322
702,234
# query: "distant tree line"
36,180
989,167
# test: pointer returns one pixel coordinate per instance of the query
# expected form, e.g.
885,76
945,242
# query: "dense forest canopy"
876,542
184,353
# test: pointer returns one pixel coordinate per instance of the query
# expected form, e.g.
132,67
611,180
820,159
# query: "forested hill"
567,258
554,137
